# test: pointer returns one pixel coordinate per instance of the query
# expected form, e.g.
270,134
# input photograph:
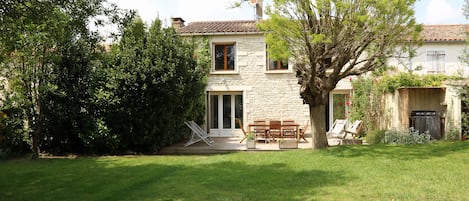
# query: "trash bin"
426,121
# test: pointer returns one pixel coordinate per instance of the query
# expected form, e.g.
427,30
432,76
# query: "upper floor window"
277,65
224,57
436,61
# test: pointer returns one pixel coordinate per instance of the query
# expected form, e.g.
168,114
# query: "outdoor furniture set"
285,130
274,130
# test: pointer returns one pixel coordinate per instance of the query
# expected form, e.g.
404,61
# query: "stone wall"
266,94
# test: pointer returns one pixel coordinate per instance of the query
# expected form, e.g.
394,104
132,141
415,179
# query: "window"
224,57
436,61
277,65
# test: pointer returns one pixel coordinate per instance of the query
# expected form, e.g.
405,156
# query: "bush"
410,137
102,140
375,136
13,135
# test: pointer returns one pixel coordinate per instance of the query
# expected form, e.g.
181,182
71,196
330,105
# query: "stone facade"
266,94
251,91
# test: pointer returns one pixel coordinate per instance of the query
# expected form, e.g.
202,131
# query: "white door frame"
331,103
220,131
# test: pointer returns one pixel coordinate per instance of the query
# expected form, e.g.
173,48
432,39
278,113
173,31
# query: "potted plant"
251,141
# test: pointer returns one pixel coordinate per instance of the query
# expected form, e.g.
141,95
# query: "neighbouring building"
440,107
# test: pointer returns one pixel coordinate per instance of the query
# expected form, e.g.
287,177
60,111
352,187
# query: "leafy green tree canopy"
46,54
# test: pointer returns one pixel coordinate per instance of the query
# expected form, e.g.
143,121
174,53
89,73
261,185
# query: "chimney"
259,9
177,22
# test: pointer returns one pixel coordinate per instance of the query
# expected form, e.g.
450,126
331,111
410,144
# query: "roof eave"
444,41
222,33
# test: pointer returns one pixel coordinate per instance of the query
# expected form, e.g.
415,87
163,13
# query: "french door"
339,106
224,108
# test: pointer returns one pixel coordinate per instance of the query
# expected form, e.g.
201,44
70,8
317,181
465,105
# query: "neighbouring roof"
220,27
430,33
444,33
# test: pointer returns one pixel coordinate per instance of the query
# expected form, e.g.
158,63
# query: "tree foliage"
41,41
368,103
153,84
464,91
330,40
63,93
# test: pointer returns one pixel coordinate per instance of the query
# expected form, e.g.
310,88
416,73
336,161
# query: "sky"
426,11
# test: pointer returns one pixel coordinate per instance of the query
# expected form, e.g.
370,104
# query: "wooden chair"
303,131
288,131
261,131
242,129
275,129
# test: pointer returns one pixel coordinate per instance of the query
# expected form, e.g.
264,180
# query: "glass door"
339,103
224,109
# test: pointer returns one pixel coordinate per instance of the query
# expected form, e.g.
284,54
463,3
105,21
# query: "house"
245,83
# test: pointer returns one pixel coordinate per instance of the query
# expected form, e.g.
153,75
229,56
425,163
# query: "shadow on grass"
94,179
403,152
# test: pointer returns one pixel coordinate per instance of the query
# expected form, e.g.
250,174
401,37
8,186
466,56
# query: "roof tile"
210,27
430,33
444,33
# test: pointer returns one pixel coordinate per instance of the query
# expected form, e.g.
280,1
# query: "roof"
220,27
430,33
444,33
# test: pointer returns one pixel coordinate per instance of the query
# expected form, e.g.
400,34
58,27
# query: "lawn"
438,171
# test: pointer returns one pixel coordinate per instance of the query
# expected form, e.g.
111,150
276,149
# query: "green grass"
377,172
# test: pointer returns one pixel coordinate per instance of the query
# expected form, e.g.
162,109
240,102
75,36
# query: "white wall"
453,65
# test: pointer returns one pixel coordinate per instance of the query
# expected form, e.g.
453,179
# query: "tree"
153,83
464,91
45,55
330,40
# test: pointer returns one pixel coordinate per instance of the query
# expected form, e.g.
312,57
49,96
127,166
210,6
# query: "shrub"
375,136
13,135
410,137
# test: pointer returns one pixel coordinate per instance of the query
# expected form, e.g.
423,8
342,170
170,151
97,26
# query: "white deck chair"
353,129
198,134
337,130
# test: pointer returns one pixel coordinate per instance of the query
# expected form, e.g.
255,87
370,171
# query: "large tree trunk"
317,115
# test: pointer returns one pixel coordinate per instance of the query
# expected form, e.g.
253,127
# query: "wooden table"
267,126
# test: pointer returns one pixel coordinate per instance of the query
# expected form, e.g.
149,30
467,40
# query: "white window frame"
220,131
331,104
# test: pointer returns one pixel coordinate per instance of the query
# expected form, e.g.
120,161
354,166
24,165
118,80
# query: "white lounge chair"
353,129
336,132
198,134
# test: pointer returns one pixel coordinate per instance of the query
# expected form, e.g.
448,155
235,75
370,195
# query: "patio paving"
227,145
